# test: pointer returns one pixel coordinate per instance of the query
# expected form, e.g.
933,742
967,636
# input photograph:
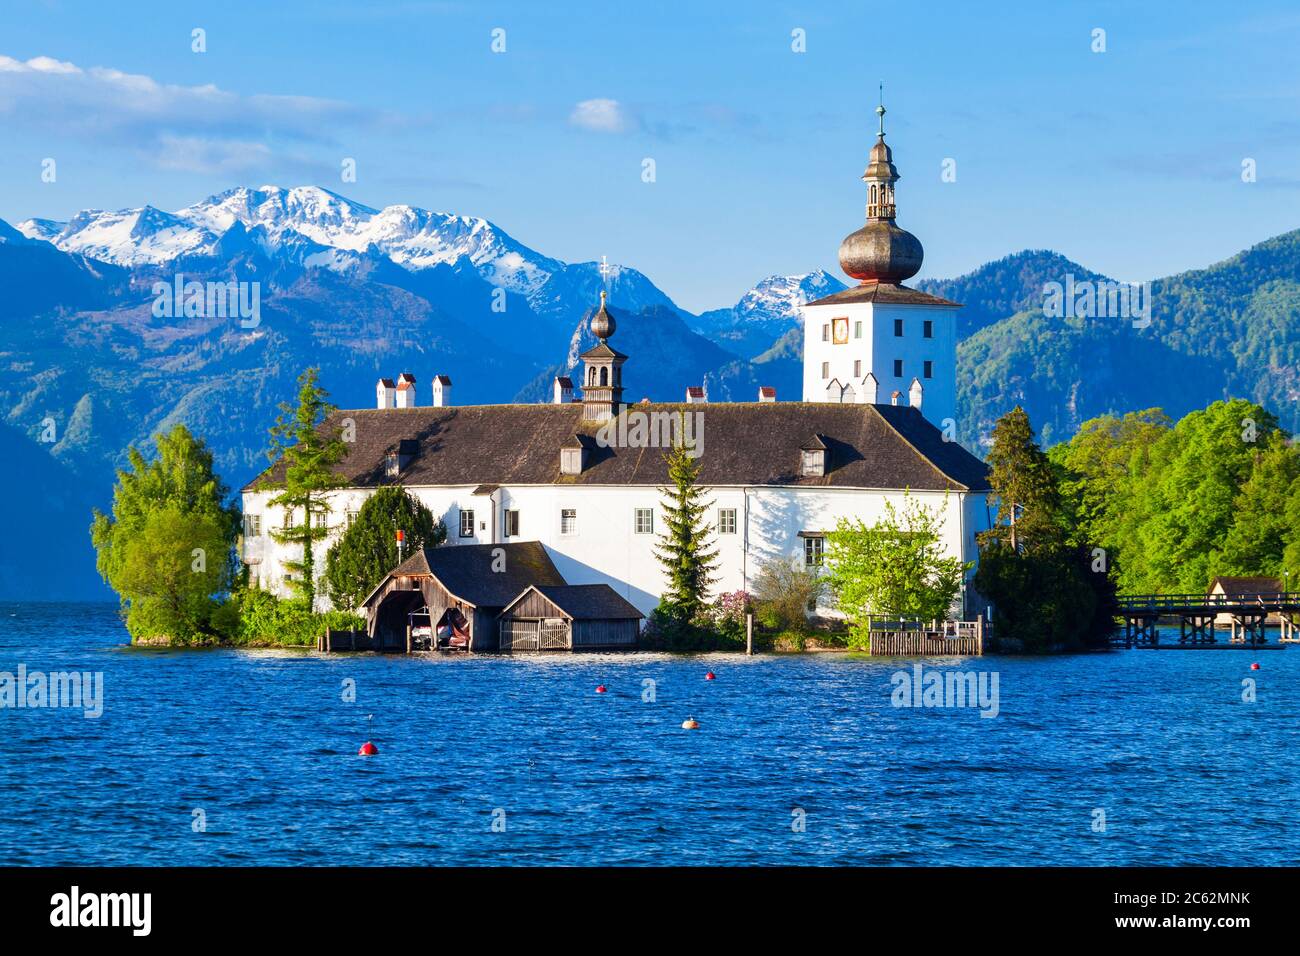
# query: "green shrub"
259,617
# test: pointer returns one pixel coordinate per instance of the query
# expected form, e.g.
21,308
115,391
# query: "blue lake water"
262,743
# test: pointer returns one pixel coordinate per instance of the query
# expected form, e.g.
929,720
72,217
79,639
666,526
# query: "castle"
875,422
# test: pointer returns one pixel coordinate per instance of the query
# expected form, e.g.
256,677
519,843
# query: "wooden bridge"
1248,618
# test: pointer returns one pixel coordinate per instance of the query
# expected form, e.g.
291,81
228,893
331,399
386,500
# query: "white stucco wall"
878,347
607,549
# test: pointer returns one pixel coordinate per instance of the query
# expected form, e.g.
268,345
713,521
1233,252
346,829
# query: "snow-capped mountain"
766,311
310,226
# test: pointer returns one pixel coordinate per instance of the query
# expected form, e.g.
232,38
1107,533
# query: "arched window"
591,375
604,376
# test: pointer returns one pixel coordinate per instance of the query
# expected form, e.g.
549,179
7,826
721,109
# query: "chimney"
563,393
894,397
766,393
914,393
441,391
385,394
406,390
695,395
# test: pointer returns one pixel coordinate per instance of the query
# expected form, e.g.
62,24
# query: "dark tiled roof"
745,443
466,570
885,293
588,602
1247,586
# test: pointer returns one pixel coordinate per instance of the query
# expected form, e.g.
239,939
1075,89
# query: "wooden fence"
927,638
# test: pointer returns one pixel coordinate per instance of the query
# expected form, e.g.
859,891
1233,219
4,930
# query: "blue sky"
1128,161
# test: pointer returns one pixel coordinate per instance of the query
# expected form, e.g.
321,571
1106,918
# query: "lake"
236,757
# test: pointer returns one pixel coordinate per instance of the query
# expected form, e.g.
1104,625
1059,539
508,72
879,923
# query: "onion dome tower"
602,376
880,251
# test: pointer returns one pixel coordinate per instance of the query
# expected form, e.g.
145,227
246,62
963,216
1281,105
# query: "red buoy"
709,676
1254,667
600,688
368,750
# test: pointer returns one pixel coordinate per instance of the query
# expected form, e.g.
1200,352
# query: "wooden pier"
1250,617
926,638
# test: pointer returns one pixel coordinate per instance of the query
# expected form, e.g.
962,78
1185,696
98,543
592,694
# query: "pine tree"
309,452
683,549
1022,478
359,560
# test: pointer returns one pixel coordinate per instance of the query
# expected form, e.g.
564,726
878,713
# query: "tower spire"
880,110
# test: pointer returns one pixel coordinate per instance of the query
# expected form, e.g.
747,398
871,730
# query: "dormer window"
574,454
812,458
392,465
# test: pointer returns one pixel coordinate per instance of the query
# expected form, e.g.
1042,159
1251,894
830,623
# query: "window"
929,369
898,368
568,521
350,517
726,521
466,523
857,368
928,329
252,526
392,467
857,329
645,521
288,518
898,328
814,548
320,519
826,369
511,529
826,332
813,462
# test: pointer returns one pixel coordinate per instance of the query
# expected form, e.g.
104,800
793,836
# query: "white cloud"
601,115
103,104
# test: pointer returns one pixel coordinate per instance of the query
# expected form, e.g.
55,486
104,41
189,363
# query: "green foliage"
168,548
1175,506
254,617
367,551
309,453
896,568
784,595
683,549
1047,591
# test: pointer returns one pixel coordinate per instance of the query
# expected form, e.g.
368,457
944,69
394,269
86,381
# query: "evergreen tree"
683,549
367,551
168,548
309,451
1029,501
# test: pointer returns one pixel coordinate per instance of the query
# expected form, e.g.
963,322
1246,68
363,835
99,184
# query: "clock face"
840,330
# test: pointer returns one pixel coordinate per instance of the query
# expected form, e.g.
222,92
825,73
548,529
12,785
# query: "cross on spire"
605,269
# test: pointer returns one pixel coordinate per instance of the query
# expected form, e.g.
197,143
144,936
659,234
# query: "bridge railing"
1156,602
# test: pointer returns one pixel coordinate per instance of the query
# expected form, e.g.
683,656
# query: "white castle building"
878,392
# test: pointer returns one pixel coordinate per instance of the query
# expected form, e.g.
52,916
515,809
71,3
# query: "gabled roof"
886,293
442,379
583,602
745,443
602,350
1246,585
484,575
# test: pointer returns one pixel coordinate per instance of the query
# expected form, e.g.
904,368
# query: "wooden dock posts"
335,639
1249,618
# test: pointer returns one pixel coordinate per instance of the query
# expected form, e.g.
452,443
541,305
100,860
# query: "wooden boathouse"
568,617
490,597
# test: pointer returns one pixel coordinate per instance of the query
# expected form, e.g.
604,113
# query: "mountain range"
88,368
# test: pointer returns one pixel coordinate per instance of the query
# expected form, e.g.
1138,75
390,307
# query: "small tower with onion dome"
602,374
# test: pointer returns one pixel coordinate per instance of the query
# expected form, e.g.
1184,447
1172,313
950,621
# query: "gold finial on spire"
603,294
880,110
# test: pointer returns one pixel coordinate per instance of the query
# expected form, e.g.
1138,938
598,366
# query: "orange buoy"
600,688
690,723
368,750
709,676
1254,667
